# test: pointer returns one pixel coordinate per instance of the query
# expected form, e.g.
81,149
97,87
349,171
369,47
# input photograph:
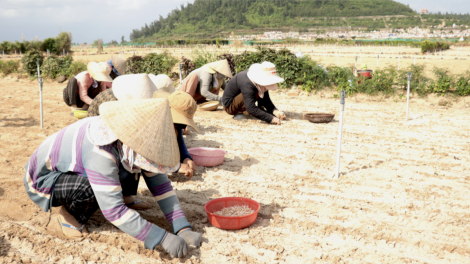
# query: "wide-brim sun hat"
146,126
134,86
221,66
264,74
119,64
99,71
183,107
163,82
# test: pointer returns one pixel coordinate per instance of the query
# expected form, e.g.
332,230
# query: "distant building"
424,11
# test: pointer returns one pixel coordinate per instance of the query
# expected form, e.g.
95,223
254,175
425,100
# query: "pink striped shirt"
84,81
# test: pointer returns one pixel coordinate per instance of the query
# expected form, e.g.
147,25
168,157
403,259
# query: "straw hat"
264,74
183,107
163,83
221,66
99,71
145,126
119,64
134,86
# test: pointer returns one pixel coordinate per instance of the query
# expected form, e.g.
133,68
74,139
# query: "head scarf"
134,162
261,89
110,63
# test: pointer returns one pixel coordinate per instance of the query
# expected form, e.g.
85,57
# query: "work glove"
279,114
174,245
192,238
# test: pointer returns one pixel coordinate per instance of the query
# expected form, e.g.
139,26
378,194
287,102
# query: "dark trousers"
129,183
74,192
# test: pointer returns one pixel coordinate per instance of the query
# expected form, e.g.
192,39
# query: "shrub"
419,82
75,68
340,75
29,61
463,85
187,66
202,57
9,66
55,66
443,81
134,64
49,44
382,81
63,41
98,44
429,46
229,57
158,63
295,71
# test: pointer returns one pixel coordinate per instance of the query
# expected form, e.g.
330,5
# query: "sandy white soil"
403,196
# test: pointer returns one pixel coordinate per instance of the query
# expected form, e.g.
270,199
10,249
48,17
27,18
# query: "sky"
89,20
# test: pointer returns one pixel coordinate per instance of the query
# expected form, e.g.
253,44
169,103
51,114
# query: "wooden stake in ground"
409,74
40,81
340,132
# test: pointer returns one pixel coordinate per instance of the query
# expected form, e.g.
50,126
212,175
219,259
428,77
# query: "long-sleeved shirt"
84,82
184,153
205,84
72,150
240,83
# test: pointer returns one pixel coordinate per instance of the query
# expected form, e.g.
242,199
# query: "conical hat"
99,71
145,126
163,83
119,64
134,86
221,66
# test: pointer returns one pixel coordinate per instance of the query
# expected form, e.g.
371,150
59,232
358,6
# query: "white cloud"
130,4
86,19
9,13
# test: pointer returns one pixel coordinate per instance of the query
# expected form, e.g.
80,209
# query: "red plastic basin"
231,222
365,73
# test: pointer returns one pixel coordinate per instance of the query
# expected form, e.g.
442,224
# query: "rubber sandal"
143,206
62,225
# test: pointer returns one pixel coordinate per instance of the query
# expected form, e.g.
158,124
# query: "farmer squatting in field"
143,86
247,88
204,84
83,167
97,78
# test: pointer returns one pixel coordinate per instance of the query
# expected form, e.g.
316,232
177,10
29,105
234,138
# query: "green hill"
216,18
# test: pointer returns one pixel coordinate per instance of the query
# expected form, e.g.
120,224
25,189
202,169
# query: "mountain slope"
205,18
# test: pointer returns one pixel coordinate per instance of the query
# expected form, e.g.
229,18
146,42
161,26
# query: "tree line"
55,45
204,16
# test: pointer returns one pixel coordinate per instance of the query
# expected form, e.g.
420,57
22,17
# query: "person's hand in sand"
276,121
279,114
186,170
191,164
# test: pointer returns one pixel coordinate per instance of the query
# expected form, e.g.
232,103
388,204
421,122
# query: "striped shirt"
72,150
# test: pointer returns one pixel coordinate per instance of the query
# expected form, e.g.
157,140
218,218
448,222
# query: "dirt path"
403,196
